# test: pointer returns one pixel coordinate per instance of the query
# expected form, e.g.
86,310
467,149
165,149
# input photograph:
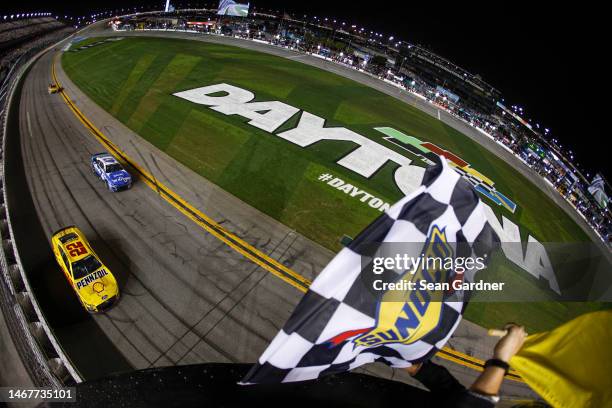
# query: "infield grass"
134,80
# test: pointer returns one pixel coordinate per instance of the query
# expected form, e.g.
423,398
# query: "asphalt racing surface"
187,297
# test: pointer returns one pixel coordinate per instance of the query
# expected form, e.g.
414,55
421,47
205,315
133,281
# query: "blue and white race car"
109,170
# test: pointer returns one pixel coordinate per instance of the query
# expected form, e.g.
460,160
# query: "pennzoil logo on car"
91,278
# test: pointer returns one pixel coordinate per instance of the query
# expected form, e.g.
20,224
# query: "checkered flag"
341,324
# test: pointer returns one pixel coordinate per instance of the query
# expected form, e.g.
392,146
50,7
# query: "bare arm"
489,382
483,392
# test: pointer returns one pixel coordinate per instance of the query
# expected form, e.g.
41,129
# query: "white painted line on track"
29,125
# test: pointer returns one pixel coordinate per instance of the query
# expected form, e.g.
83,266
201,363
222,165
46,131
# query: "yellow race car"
54,88
93,283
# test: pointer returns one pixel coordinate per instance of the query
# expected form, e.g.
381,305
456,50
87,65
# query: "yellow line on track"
236,243
269,264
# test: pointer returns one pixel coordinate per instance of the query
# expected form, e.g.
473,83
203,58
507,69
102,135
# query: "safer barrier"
42,355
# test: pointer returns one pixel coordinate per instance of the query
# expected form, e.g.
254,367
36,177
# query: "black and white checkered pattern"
338,301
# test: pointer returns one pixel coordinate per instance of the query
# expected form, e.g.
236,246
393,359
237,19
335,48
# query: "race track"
187,297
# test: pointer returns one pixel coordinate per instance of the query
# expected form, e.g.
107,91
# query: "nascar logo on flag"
340,324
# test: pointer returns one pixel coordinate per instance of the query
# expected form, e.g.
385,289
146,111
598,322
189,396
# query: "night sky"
549,60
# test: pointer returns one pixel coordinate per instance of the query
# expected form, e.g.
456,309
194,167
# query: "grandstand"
473,91
21,30
19,36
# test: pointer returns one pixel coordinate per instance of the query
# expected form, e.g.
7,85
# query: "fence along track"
41,354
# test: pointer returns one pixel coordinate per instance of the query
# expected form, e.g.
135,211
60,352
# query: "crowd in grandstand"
19,40
21,35
23,29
